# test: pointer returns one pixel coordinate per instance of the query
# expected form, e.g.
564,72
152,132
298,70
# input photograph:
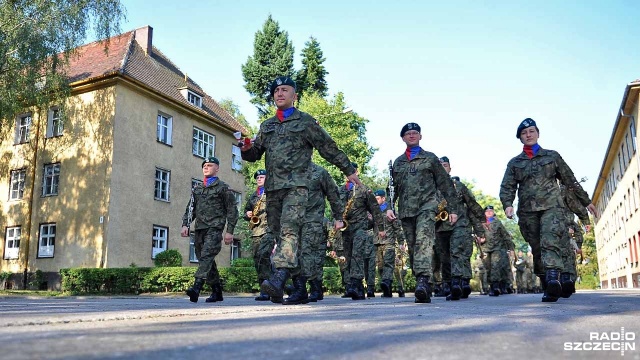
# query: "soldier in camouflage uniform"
287,140
521,280
370,261
212,206
572,240
386,247
533,175
480,273
359,203
261,240
455,241
314,243
400,269
495,244
417,176
338,252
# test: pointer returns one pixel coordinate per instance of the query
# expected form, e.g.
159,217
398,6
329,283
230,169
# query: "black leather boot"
503,288
274,286
423,290
194,291
456,289
400,292
554,288
299,294
385,285
495,289
320,290
356,290
437,290
262,297
568,286
216,294
316,293
370,292
446,288
466,288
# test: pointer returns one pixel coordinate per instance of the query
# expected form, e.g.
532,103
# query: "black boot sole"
212,300
271,290
568,288
193,295
386,290
422,297
554,289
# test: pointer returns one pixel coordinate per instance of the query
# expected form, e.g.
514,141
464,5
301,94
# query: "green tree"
588,268
37,39
312,76
234,110
272,57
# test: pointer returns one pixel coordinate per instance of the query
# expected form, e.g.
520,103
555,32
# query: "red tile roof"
127,57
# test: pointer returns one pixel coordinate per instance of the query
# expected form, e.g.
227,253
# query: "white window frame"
12,243
164,130
192,248
203,144
159,240
236,158
51,179
162,184
23,128
47,240
55,127
238,197
194,98
234,251
16,184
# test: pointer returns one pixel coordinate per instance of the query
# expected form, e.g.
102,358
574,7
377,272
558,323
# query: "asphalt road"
170,327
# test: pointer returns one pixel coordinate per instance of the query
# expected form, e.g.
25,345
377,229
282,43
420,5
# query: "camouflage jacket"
363,204
470,212
261,212
416,182
535,180
395,235
321,185
571,201
288,145
496,237
213,206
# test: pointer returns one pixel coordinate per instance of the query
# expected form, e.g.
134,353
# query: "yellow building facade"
617,198
106,184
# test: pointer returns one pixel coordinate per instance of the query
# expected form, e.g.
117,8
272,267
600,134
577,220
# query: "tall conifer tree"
312,76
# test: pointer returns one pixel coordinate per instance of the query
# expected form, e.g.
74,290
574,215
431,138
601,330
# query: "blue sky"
467,71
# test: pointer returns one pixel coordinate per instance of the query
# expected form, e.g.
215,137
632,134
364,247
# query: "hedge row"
136,280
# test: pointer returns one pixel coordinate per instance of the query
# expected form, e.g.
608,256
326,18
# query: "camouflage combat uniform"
416,182
314,243
288,145
480,273
261,240
540,204
213,207
386,247
573,241
497,242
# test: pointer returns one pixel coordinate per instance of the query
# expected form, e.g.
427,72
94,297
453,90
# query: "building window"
159,242
51,179
635,196
203,143
16,189
192,247
23,125
238,198
165,129
47,241
236,158
235,250
54,123
12,243
632,128
162,184
194,99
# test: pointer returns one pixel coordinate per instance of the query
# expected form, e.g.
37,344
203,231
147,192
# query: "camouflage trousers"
208,243
285,216
506,274
455,248
314,250
521,282
544,232
420,232
493,264
481,278
357,236
569,259
385,260
261,247
370,262
399,274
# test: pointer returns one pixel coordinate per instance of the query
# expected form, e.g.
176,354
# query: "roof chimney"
144,36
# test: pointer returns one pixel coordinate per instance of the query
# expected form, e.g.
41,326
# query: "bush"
168,258
242,262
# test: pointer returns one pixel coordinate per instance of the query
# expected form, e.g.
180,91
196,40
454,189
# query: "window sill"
163,143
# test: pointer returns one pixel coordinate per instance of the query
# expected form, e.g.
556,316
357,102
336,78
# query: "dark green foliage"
242,262
312,76
168,258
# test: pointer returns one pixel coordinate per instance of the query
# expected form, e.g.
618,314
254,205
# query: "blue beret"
282,80
409,126
260,172
211,159
380,192
488,207
444,159
528,122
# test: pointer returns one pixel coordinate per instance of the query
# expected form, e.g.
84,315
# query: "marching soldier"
533,175
480,273
494,244
261,240
521,265
314,243
212,205
359,203
572,240
417,176
400,269
338,252
370,260
287,140
386,247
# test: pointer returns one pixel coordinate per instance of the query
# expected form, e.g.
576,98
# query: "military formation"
425,220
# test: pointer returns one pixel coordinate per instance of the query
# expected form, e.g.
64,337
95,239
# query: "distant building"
110,184
617,198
